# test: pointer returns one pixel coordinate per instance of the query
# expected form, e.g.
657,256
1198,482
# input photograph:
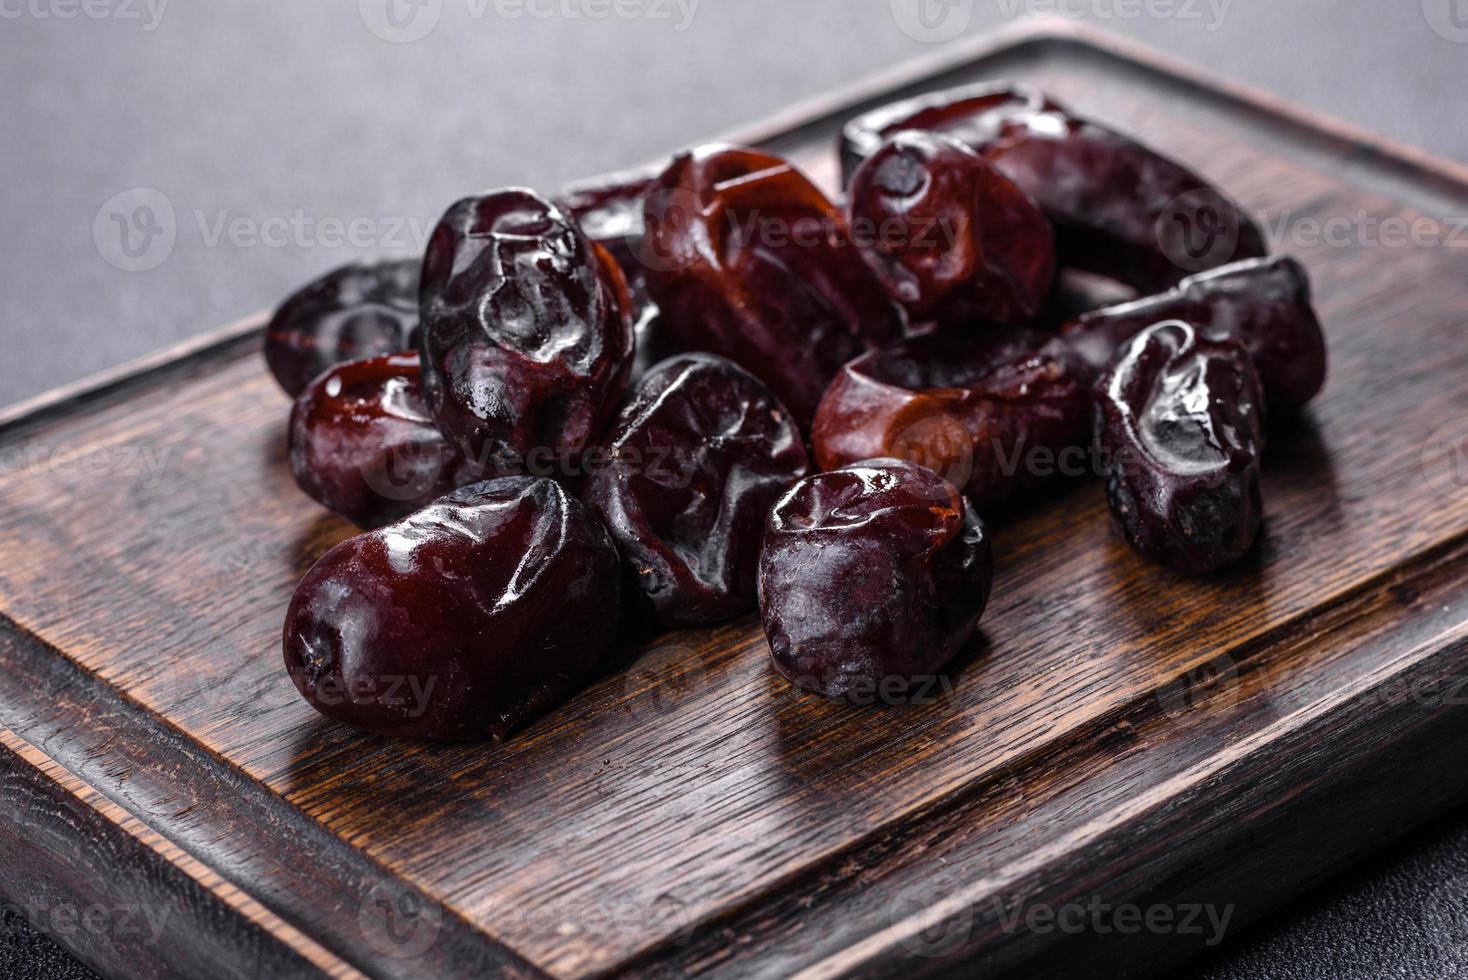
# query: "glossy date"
527,331
1264,303
746,259
953,239
1120,209
1179,423
359,310
990,411
466,619
362,443
871,576
694,463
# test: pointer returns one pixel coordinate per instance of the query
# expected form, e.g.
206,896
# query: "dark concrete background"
233,114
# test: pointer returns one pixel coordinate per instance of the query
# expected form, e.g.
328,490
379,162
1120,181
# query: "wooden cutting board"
1121,736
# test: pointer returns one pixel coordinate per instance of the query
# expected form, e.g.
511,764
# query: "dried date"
464,620
1179,423
359,310
695,461
953,239
527,331
871,577
748,260
1265,303
1119,208
362,443
991,411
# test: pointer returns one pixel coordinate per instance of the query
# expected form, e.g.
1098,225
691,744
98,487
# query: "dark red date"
527,331
990,411
363,445
465,620
748,260
1265,303
953,239
1119,208
1179,423
695,461
871,576
360,310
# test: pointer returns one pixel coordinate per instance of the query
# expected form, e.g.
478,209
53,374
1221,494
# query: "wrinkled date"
527,335
990,411
466,619
747,259
871,576
1119,208
1178,420
1265,303
954,240
695,461
360,310
363,445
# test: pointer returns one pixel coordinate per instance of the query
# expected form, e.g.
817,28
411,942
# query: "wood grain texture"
1117,733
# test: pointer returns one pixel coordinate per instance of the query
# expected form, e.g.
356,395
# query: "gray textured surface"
247,112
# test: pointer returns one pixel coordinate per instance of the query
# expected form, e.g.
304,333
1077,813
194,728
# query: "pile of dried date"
677,395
